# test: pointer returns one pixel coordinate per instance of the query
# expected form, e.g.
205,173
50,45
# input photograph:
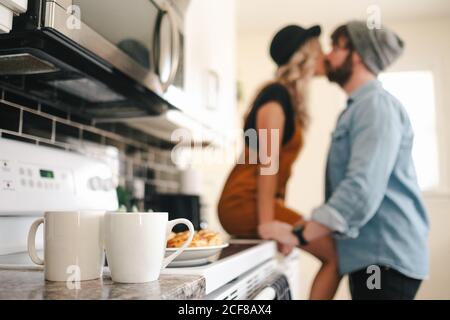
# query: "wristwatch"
298,232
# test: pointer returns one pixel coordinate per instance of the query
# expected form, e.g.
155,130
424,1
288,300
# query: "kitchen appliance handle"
32,242
175,38
170,226
267,293
176,46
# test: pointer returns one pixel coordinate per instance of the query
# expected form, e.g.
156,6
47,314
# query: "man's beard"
341,75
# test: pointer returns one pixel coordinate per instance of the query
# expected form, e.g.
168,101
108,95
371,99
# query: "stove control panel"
35,179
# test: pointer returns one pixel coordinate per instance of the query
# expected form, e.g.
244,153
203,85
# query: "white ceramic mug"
73,245
136,244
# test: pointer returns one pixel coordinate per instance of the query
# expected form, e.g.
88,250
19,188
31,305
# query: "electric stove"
233,261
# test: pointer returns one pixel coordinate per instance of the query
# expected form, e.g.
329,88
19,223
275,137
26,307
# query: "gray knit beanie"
378,48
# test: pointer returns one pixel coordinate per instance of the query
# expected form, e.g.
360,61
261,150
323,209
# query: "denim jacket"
373,202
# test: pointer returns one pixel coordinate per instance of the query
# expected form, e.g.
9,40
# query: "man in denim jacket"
373,202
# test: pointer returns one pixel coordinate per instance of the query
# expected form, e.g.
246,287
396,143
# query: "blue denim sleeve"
375,134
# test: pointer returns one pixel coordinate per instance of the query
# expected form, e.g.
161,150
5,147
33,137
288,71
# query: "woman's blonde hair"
295,76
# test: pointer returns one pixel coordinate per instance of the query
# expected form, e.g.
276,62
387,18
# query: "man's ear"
356,58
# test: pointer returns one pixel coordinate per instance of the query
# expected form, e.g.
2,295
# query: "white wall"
211,45
427,48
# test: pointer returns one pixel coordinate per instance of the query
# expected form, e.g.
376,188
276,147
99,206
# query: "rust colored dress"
238,203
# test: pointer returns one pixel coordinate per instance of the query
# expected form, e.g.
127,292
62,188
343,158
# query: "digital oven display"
47,174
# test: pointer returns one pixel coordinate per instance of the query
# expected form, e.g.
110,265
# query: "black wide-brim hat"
288,40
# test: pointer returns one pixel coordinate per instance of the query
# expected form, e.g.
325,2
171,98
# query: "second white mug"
136,244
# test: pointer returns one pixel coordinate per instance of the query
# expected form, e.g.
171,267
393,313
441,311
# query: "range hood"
41,66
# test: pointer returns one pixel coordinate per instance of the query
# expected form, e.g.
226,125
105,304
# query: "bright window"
415,89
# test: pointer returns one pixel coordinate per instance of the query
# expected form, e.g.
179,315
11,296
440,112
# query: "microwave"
114,58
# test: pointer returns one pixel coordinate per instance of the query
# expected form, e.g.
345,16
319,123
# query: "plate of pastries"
205,244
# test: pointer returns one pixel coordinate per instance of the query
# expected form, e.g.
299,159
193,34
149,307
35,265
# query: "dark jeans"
394,285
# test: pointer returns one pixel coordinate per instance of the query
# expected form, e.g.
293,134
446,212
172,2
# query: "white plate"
188,263
194,256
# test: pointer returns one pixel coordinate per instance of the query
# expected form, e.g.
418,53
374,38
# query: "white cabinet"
6,17
210,63
17,6
7,10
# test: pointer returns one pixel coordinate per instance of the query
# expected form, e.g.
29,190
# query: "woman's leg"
327,279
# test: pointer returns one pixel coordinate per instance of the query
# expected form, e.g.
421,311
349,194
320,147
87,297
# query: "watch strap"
298,232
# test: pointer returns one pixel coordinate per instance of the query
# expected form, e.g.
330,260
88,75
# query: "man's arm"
282,232
375,138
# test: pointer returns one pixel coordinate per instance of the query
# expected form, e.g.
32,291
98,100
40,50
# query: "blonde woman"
251,199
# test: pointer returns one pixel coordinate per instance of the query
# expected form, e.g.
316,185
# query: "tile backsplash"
141,163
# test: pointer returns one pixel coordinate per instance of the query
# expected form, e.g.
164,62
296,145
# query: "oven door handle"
267,293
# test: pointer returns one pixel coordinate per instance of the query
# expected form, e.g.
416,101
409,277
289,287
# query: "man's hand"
280,232
285,249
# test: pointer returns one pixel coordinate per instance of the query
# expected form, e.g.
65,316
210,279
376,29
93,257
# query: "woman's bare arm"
270,124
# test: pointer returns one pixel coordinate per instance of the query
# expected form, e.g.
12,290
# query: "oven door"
142,38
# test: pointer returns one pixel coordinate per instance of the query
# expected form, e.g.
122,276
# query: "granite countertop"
30,285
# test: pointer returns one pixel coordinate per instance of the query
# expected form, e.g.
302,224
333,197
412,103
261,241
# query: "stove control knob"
108,185
95,183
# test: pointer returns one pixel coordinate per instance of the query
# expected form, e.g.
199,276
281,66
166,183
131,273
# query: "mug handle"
32,242
170,226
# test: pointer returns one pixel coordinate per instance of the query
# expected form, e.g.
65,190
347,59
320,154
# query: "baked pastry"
202,238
